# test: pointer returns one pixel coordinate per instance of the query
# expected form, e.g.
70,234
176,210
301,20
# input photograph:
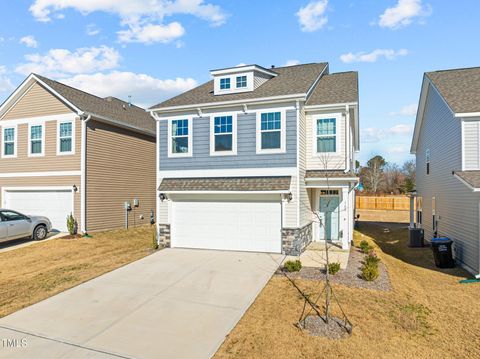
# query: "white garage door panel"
243,226
54,204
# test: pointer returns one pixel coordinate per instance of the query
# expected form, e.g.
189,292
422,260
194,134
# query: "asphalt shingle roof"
471,177
291,80
460,88
329,174
109,107
341,87
279,183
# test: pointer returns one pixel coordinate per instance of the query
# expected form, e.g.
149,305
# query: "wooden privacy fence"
389,203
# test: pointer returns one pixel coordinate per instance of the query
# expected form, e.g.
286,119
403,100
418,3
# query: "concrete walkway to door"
177,303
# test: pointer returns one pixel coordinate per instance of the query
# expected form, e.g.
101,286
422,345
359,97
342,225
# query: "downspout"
157,175
83,176
347,139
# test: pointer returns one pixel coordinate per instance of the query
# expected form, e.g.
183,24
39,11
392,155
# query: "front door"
329,217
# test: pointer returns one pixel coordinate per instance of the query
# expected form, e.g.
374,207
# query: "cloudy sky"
153,49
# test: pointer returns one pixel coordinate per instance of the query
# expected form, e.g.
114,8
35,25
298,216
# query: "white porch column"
412,210
345,227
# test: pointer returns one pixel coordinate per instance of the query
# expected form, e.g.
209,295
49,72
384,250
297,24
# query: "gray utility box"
416,237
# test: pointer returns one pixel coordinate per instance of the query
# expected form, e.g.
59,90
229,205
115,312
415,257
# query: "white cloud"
150,33
403,13
61,62
408,110
29,41
312,17
373,56
144,19
291,63
92,30
144,89
398,149
375,134
5,83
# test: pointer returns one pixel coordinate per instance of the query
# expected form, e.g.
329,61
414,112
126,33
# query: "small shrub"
154,241
370,272
333,268
71,224
371,258
365,247
293,266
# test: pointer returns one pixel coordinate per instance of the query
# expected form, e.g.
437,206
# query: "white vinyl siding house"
446,144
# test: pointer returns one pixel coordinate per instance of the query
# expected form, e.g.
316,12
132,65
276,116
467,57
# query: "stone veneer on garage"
295,240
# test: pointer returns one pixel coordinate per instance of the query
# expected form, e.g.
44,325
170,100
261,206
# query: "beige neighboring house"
66,151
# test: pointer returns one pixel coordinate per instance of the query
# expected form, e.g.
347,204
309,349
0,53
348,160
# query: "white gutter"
120,124
291,97
226,192
330,106
347,137
467,114
157,174
83,176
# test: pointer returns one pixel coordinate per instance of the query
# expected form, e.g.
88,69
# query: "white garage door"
241,226
56,205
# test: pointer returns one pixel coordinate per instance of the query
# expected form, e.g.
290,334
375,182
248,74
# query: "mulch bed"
317,326
351,276
74,236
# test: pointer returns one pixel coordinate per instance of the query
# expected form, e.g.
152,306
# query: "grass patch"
426,314
33,273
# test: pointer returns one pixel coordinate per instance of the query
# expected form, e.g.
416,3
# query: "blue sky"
152,50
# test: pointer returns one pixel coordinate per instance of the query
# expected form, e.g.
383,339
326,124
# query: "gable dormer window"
225,83
241,81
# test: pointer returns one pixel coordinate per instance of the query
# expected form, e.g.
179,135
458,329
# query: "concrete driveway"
177,303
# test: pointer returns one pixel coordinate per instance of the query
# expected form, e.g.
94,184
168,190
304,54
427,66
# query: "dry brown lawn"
428,314
31,274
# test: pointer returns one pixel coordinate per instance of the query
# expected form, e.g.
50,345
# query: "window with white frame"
225,83
36,140
427,160
271,131
65,137
241,81
180,137
9,137
326,135
223,134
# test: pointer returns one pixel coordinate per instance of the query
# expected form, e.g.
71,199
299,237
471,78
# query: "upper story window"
65,138
36,140
241,81
180,137
225,83
427,160
326,135
9,148
223,136
271,132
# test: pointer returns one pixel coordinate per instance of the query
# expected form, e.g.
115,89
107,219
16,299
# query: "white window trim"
41,154
315,118
236,82
233,83
14,139
233,152
190,137
72,152
283,133
229,78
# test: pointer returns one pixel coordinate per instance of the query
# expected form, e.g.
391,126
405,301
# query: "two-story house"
446,143
66,151
247,160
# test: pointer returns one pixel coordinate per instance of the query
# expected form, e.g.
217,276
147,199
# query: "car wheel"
40,232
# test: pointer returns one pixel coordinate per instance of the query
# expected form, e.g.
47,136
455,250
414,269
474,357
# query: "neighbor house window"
65,137
419,211
180,137
241,81
36,140
271,131
225,83
223,134
326,135
9,138
427,160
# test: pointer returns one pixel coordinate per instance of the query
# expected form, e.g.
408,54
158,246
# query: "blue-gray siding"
457,207
246,147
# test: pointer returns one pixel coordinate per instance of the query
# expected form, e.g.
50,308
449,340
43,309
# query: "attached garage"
227,225
229,213
56,203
